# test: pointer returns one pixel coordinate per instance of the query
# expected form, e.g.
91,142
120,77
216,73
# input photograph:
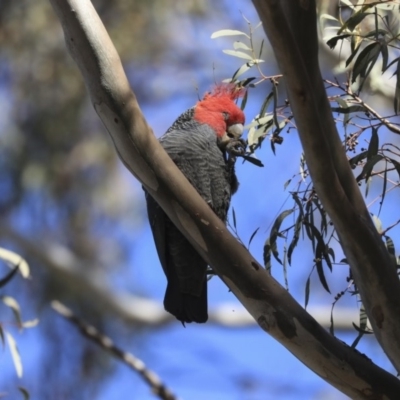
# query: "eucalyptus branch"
392,127
156,385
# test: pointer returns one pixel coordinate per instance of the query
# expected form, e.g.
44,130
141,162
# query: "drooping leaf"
307,293
275,97
309,221
391,63
265,104
365,61
238,54
14,259
244,101
252,160
348,3
297,228
24,392
385,56
353,21
261,48
12,344
324,224
31,323
241,70
348,110
356,159
8,277
285,267
331,253
321,253
368,167
373,144
241,46
383,188
234,217
332,42
295,239
13,304
2,336
396,102
353,54
270,244
287,183
396,165
320,271
252,236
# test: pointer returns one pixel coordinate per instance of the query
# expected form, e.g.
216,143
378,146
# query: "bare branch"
268,302
291,28
107,344
358,100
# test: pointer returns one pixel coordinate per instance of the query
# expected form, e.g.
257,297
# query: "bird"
199,143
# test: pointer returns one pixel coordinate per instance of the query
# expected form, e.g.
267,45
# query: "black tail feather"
186,307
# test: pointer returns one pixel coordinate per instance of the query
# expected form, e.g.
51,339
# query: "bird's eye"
226,115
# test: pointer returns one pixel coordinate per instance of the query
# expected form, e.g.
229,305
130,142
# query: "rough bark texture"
291,28
268,302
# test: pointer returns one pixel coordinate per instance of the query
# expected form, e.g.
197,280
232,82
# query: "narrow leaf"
8,277
367,56
12,344
24,392
385,56
397,90
265,104
252,236
240,45
14,259
241,70
332,42
353,54
238,54
13,304
353,21
307,293
348,110
396,165
383,188
320,271
373,144
227,32
356,159
244,101
275,233
368,167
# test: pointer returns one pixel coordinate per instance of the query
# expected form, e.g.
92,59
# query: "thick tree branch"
89,283
269,303
291,28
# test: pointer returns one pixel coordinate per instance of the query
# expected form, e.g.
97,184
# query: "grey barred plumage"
196,149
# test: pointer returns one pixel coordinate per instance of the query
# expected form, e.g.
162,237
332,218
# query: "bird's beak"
234,132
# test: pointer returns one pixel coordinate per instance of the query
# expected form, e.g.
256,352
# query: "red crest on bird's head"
218,108
229,90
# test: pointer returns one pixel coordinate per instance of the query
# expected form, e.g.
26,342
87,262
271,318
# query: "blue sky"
209,361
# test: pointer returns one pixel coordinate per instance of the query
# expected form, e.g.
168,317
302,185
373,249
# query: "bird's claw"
236,147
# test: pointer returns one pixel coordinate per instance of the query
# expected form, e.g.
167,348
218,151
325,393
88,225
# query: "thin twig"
107,344
384,121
